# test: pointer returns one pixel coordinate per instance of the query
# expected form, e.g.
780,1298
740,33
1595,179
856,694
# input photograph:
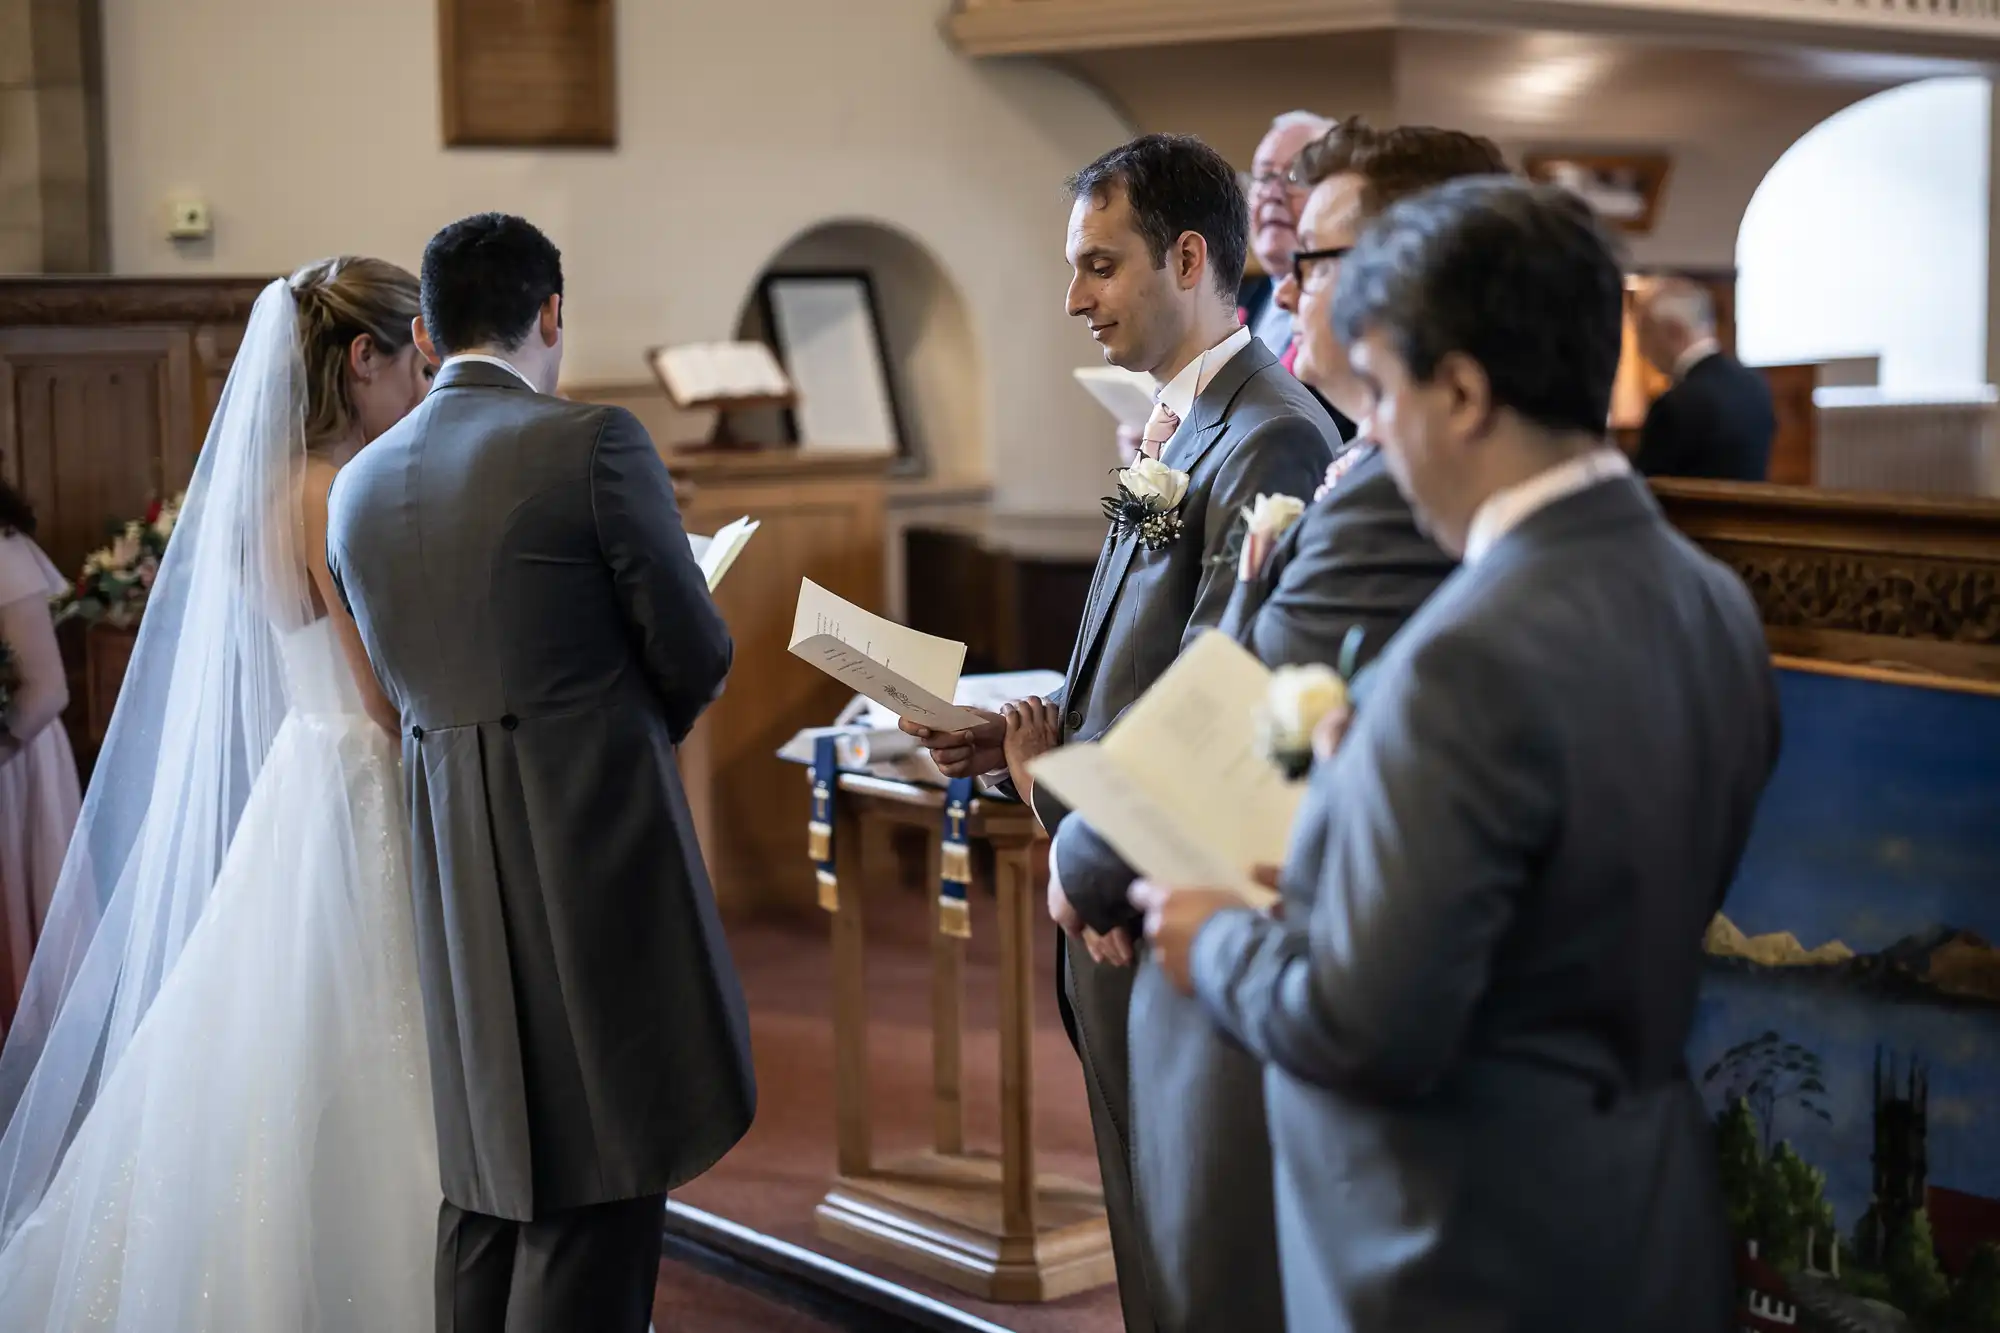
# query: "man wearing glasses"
1275,200
1355,558
1201,1151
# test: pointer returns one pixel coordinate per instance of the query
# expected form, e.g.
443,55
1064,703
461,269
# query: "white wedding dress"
263,1158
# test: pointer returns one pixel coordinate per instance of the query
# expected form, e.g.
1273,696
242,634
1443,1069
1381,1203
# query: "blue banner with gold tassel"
955,868
819,833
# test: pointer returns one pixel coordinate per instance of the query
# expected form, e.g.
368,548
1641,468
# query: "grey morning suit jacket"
1253,430
1472,1017
1201,1154
520,576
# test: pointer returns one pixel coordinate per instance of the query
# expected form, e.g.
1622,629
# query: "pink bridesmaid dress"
38,787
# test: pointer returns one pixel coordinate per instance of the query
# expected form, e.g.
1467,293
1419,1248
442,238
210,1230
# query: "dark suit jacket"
519,573
1473,1015
1253,303
1254,430
1716,423
1199,1143
1355,557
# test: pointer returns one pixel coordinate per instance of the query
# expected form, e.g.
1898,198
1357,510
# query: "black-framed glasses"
1301,258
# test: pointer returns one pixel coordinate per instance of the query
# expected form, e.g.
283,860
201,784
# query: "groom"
520,576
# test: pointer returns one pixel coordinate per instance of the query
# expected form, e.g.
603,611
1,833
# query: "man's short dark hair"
1397,162
1177,184
1520,278
484,280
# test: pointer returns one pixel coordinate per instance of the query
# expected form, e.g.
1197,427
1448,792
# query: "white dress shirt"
1507,509
507,366
1178,394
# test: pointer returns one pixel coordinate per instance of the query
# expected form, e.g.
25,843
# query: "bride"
216,1099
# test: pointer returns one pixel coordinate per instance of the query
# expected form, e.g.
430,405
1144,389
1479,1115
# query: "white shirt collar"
1697,352
1180,392
507,366
1505,510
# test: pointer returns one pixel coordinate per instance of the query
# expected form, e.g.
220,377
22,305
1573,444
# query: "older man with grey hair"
1717,421
1275,202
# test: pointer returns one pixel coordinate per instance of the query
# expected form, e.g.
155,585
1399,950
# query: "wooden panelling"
106,390
1796,445
1897,582
822,519
529,73
97,423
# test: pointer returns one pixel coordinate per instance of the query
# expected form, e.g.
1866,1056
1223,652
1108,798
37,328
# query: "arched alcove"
1868,239
934,367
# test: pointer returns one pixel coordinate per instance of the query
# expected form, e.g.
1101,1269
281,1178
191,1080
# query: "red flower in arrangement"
153,512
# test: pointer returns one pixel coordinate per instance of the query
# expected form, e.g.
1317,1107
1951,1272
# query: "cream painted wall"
1869,237
312,128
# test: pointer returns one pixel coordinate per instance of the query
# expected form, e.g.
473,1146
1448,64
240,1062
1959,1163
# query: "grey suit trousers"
591,1270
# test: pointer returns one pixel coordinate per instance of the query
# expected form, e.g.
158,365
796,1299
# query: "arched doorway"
1868,239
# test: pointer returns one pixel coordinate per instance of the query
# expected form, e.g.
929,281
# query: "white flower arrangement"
1297,700
1147,504
1272,516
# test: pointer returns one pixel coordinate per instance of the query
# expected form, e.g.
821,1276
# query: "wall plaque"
528,73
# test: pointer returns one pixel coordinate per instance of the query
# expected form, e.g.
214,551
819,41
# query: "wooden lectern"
989,1227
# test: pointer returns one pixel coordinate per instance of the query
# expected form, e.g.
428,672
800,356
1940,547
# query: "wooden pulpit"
989,1226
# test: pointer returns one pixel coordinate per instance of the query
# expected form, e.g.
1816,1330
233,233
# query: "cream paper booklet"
716,554
913,675
1180,786
1125,394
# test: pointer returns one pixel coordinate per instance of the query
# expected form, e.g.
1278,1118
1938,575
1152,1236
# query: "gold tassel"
955,863
954,917
829,891
819,841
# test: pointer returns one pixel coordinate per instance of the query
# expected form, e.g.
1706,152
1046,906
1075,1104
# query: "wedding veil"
203,697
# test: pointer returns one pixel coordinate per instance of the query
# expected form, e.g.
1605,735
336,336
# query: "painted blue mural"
1848,1034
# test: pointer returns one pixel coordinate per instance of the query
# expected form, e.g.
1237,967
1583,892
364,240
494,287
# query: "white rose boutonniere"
1147,505
1297,700
1272,516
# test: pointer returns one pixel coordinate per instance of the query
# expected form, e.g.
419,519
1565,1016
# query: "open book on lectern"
912,674
1180,786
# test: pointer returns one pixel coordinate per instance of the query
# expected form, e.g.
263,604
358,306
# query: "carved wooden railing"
1968,29
1892,581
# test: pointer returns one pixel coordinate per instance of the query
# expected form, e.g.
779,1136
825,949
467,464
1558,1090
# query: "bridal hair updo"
339,300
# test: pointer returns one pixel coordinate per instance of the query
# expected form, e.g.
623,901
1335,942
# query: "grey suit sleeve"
1285,455
1095,878
681,636
334,555
1438,803
1360,561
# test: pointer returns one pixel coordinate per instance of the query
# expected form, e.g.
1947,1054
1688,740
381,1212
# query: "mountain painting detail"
1847,1037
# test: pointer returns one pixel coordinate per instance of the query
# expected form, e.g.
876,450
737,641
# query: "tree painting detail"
1769,1072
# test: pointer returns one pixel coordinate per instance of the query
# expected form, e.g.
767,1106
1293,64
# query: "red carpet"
690,1301
773,1179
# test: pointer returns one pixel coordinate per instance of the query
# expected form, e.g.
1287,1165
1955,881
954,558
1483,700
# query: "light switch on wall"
187,218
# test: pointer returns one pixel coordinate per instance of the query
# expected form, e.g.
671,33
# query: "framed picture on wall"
827,329
1624,188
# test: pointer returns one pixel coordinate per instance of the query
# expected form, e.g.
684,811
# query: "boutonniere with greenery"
1297,700
1148,503
1269,516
